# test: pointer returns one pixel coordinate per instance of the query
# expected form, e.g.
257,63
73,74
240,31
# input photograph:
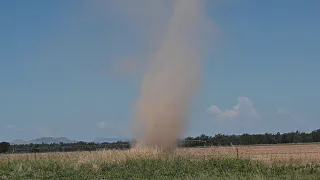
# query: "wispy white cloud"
243,108
240,118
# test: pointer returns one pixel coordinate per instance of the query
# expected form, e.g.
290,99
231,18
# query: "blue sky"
73,68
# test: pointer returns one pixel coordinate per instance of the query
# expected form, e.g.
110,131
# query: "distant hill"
46,140
49,140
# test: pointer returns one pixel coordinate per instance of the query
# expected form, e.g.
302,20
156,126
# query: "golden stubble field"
283,154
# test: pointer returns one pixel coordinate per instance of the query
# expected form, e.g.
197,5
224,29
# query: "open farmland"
254,162
283,153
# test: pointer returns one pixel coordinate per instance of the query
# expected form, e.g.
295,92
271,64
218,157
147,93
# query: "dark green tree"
316,135
35,148
4,147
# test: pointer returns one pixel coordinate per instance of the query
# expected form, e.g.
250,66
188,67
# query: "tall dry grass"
286,154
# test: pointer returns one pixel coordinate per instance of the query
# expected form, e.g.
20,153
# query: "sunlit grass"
188,163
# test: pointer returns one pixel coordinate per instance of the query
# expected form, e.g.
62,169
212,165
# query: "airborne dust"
172,78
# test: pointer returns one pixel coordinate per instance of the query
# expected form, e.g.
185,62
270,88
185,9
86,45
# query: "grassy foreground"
173,167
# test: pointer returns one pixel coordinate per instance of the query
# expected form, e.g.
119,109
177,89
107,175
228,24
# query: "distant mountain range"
51,140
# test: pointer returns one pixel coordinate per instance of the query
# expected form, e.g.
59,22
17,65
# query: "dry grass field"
284,153
289,153
300,161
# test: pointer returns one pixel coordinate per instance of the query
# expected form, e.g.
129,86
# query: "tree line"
202,140
66,147
252,139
